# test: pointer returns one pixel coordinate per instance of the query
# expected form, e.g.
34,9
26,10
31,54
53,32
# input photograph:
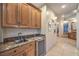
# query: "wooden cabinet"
24,12
33,15
72,35
21,54
24,50
36,18
14,51
30,51
0,15
20,16
10,15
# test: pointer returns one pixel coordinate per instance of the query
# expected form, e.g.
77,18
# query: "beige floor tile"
64,47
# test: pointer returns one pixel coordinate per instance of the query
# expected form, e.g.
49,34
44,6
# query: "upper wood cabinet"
33,15
10,15
21,16
24,15
38,19
0,15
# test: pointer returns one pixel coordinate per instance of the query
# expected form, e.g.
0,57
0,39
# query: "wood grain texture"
10,15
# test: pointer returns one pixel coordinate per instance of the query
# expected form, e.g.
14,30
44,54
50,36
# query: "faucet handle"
19,34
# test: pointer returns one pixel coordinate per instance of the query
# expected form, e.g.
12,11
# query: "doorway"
65,29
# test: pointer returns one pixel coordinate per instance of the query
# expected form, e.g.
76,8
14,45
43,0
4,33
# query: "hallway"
64,47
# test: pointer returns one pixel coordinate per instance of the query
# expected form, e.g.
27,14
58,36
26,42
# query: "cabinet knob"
15,51
30,45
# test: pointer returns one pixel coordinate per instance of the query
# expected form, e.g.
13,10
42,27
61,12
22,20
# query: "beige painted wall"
61,27
77,41
50,35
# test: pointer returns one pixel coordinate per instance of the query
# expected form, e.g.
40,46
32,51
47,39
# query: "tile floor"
64,47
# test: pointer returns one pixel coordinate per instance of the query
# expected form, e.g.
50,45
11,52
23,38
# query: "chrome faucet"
20,37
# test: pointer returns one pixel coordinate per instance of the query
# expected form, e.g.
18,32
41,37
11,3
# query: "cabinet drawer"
20,50
12,52
21,54
31,44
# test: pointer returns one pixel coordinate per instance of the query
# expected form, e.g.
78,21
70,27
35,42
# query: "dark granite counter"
11,45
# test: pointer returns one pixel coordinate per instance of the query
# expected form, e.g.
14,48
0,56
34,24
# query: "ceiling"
56,8
39,5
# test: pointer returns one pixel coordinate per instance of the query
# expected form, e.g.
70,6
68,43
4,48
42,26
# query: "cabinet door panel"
30,50
10,15
24,15
21,54
0,14
38,19
33,21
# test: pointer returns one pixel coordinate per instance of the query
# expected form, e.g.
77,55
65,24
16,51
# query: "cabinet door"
10,15
21,54
24,15
30,50
33,17
0,14
38,19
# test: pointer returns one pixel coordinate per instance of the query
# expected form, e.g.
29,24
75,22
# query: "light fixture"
65,21
74,20
75,11
55,17
47,12
63,6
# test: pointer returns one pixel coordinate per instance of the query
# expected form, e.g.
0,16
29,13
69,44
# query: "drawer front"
12,52
15,51
32,45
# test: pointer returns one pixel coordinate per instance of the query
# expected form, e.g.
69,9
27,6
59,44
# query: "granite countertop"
11,45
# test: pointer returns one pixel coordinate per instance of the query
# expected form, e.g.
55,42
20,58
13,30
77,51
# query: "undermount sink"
19,41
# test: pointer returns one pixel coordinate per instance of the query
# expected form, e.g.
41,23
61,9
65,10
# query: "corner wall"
77,34
50,35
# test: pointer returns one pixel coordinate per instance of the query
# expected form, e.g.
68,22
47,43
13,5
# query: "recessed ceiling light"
74,20
75,11
65,21
63,6
47,12
55,17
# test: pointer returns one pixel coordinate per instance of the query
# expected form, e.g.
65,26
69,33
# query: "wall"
61,26
69,28
43,20
77,17
48,16
9,32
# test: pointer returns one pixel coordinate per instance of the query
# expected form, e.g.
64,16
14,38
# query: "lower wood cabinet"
24,50
72,35
21,54
30,51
